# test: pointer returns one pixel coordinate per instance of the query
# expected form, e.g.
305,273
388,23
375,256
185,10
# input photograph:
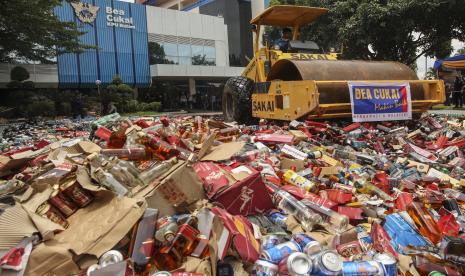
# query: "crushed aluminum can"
110,257
307,244
280,251
389,263
161,273
269,241
327,263
362,268
297,264
264,268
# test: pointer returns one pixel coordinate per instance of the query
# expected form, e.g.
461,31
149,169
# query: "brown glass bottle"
118,138
169,257
424,221
160,149
201,249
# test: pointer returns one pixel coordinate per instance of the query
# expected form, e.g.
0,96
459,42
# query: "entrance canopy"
455,62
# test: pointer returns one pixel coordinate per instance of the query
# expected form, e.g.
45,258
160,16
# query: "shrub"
28,85
43,107
153,106
14,84
19,73
142,106
132,106
63,108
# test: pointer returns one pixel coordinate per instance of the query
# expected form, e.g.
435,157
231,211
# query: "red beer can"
48,211
64,204
76,193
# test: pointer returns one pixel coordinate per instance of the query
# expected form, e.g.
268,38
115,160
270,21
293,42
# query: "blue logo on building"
119,32
85,12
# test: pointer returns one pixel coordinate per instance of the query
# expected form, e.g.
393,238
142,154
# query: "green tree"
116,92
386,29
18,77
29,30
461,51
430,74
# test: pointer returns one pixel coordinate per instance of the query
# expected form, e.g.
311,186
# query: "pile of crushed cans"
197,196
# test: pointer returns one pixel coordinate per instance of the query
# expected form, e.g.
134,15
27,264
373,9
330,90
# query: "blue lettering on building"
118,30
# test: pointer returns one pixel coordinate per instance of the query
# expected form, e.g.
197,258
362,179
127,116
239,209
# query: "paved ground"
449,112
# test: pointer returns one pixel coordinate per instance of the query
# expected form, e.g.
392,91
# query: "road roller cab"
306,82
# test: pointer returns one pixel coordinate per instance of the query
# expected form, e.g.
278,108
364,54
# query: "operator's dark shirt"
283,44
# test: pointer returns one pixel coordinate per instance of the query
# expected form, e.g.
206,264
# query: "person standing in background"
448,94
457,93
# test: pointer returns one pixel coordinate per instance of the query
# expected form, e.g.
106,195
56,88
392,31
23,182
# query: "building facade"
118,32
141,43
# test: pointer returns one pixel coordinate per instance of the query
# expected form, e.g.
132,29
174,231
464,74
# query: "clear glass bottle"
289,204
120,174
142,244
106,179
367,187
153,173
336,221
133,154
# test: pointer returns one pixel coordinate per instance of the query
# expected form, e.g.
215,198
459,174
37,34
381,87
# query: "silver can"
161,273
299,264
264,268
269,241
92,268
312,248
389,263
110,257
327,263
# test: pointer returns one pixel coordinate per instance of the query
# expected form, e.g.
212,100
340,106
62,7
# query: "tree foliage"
386,29
116,92
30,31
18,77
19,73
430,74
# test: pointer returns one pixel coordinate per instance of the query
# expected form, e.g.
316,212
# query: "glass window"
171,49
210,52
197,50
210,61
172,60
184,50
185,60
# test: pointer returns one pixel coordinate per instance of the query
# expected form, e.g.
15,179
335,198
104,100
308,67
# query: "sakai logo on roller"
263,106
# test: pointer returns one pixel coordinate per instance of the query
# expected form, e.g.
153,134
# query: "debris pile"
197,196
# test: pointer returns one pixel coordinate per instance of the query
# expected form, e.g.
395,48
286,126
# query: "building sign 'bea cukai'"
117,18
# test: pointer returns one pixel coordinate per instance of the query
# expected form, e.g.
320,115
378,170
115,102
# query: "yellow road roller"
305,82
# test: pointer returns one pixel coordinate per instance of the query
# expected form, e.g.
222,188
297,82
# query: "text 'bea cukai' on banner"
380,101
